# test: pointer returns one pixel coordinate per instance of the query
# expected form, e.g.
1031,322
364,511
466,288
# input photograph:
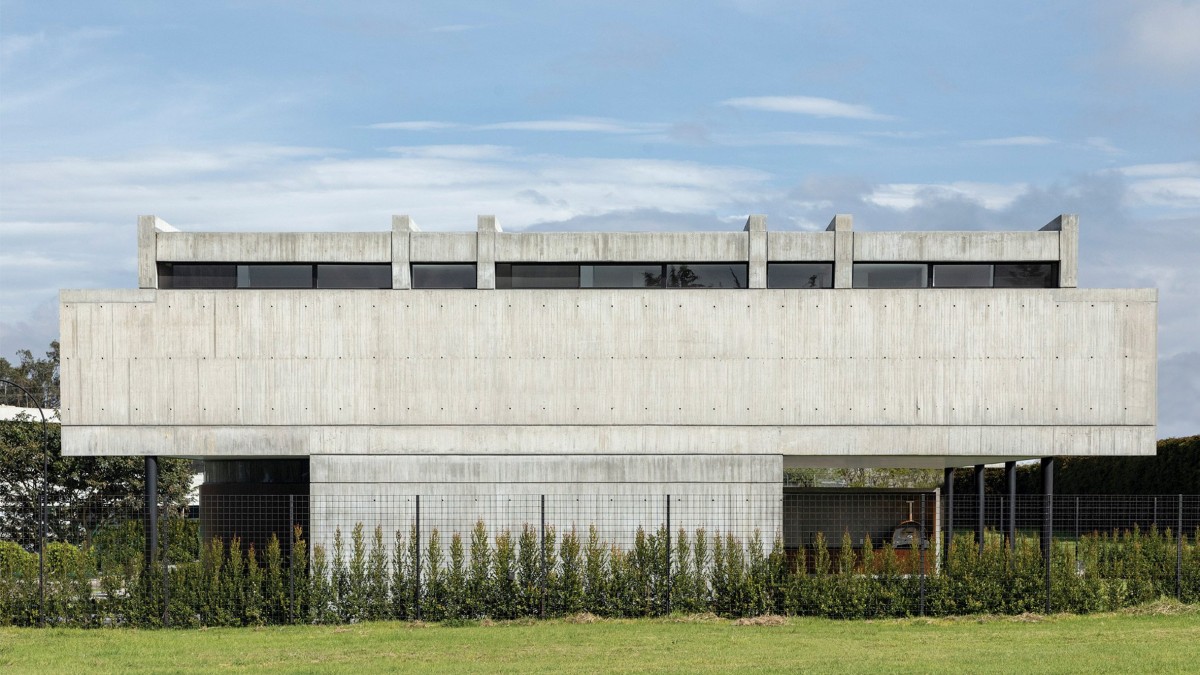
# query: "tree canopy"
82,490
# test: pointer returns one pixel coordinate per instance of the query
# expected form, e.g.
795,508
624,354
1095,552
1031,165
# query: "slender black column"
1047,519
979,493
1047,504
1010,473
151,509
948,488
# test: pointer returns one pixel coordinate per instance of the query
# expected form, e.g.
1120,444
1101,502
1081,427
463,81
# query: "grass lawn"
1158,639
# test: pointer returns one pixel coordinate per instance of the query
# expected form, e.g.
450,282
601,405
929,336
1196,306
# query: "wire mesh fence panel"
265,559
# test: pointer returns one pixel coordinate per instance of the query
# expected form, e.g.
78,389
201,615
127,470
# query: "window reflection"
444,275
890,275
799,275
962,276
1026,275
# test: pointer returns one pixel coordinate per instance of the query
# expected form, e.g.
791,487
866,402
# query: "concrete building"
497,365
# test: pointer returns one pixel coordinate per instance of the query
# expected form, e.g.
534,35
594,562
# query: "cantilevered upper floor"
835,347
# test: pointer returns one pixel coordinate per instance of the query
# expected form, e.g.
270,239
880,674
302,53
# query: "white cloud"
800,138
1163,35
805,105
1172,185
602,125
11,45
1013,141
1163,169
452,151
578,124
905,196
417,125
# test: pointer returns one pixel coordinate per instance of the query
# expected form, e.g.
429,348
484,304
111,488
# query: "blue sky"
605,116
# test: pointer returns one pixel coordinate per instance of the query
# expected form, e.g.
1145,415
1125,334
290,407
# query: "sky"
308,116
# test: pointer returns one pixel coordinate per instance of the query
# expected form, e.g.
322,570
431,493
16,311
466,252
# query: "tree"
39,376
83,491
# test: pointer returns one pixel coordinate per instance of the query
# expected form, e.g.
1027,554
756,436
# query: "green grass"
1165,638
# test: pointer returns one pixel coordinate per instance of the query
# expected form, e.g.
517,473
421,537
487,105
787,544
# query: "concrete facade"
619,391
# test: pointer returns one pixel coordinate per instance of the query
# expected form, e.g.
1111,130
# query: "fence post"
417,560
921,545
1077,531
542,600
668,612
166,573
291,558
948,540
1179,552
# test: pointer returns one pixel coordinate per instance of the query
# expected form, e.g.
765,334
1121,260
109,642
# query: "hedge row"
501,577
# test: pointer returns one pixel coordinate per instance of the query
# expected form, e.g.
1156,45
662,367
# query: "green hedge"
373,576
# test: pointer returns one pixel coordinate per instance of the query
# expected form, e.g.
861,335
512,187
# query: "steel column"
668,602
542,595
1047,520
151,497
1010,474
921,545
417,560
1179,552
292,558
980,490
948,488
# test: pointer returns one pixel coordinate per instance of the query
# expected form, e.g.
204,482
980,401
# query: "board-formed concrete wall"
1003,372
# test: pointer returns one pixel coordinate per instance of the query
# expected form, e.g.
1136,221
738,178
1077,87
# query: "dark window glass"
449,275
891,275
706,275
354,276
962,276
536,275
1026,275
197,275
799,275
274,276
621,276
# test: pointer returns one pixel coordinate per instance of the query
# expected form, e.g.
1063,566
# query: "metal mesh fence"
237,559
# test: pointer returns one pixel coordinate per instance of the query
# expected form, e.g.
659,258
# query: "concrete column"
948,488
756,230
147,238
402,227
1067,226
980,494
151,498
485,251
843,250
1010,474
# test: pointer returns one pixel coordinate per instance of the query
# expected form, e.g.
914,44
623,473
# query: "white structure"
916,349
